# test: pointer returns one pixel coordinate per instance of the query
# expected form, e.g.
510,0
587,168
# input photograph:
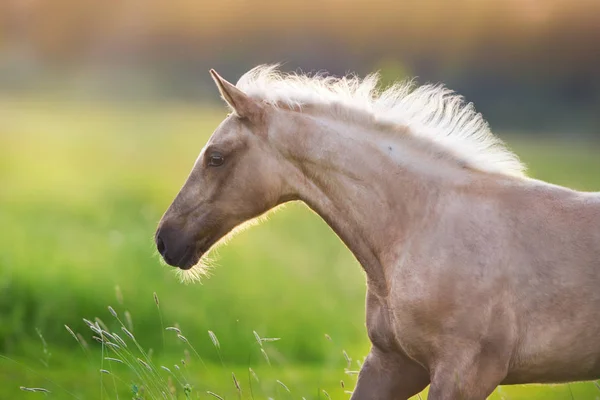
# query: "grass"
82,188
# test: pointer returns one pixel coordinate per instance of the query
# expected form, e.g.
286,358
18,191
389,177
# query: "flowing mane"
432,112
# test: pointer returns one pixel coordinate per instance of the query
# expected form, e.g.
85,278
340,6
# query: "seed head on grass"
118,339
89,323
128,333
253,374
97,331
100,324
71,332
236,383
83,341
45,350
214,339
215,342
118,294
34,389
129,320
172,328
283,385
171,386
258,338
156,299
145,364
182,338
348,359
326,394
108,335
270,339
113,312
261,340
213,394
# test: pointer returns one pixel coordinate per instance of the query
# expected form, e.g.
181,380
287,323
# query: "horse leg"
470,377
387,376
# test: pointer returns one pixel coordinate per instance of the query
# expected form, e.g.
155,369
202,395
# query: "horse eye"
216,160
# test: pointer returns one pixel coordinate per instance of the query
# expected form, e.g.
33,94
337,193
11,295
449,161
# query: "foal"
477,276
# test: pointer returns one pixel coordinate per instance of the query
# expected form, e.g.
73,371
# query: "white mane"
431,111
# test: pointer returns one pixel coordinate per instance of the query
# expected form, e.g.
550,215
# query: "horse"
477,275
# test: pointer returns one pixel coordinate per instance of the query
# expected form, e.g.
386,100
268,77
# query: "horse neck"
349,178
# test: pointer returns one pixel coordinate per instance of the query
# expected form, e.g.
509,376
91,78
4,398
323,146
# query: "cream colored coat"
477,276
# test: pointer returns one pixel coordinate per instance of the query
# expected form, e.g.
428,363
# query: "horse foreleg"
387,376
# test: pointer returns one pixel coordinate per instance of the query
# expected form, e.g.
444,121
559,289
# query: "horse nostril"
160,245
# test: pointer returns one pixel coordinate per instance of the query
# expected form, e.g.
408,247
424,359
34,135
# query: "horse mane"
432,112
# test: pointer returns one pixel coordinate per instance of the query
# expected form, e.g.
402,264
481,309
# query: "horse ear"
240,102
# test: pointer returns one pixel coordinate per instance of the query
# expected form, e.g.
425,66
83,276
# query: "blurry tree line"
526,64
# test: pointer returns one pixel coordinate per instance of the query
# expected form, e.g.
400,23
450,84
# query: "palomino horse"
477,275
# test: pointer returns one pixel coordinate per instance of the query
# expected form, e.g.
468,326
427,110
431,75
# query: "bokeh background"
104,106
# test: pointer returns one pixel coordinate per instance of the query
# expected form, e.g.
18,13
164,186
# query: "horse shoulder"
448,284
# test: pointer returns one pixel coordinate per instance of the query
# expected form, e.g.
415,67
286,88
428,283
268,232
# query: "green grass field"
82,187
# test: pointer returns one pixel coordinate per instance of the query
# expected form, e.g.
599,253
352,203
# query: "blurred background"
104,106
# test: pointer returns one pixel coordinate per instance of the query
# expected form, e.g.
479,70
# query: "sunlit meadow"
87,311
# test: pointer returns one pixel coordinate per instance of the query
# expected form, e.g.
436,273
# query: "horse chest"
389,335
379,324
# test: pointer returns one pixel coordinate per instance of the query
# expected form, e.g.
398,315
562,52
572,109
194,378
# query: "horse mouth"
194,254
188,261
